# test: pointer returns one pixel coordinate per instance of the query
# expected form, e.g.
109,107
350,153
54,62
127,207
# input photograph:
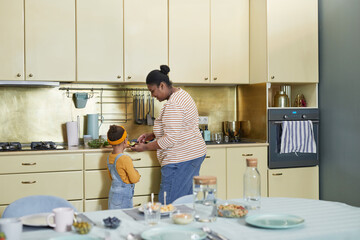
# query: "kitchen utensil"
149,120
80,99
211,232
232,129
137,103
93,125
72,134
281,99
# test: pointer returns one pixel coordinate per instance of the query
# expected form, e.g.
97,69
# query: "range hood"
29,84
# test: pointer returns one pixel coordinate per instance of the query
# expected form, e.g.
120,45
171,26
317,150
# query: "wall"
40,114
339,54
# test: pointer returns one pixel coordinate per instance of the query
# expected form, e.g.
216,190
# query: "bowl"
183,217
111,222
231,210
82,227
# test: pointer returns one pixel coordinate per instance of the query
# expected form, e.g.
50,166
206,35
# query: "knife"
214,235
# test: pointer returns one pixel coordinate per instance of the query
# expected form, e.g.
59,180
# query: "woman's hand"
139,147
146,137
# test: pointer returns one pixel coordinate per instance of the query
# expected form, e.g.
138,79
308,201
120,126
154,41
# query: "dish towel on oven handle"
297,136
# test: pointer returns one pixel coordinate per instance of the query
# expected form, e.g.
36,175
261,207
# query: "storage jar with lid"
281,99
204,190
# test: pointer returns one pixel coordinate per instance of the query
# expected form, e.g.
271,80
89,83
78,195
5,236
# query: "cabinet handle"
137,159
28,182
118,76
277,174
206,78
215,78
247,154
207,157
137,205
30,75
272,77
129,77
28,164
18,75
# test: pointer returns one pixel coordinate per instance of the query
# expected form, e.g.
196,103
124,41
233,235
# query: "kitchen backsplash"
40,114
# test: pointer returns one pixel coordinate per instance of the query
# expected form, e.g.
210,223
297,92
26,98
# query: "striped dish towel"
297,136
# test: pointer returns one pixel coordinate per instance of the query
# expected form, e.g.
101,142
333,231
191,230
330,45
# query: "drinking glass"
218,137
152,213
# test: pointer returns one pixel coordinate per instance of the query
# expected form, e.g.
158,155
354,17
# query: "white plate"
275,221
76,237
173,233
37,220
141,209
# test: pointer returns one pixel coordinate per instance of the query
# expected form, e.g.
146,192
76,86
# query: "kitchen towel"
297,136
72,133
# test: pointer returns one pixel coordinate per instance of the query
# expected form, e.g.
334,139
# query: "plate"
35,220
75,237
275,221
141,209
173,233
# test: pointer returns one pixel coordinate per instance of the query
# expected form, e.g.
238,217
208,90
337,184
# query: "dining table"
321,220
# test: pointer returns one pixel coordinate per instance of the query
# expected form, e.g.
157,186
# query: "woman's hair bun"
164,69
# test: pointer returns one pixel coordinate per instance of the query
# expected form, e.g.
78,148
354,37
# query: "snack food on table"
167,208
82,227
231,211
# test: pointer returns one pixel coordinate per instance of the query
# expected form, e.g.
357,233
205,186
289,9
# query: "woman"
179,144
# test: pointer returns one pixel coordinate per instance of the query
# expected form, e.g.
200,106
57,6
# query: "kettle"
281,99
93,125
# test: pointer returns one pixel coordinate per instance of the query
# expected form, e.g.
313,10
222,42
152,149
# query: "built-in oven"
276,120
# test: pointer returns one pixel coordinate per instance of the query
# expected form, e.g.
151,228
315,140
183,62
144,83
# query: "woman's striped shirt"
177,130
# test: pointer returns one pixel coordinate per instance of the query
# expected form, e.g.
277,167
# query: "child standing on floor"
121,169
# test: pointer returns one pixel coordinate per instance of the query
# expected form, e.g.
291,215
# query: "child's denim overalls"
120,194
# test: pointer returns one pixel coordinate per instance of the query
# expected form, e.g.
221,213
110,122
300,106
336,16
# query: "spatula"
149,119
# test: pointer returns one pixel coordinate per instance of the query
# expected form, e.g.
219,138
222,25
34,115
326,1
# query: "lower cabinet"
236,165
215,165
300,182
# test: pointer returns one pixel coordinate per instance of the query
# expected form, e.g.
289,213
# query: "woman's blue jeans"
177,179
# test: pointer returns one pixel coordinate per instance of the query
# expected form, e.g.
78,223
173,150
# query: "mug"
63,219
11,227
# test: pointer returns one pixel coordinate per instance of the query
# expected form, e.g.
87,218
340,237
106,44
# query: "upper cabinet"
145,38
99,40
209,41
12,40
120,41
284,41
46,52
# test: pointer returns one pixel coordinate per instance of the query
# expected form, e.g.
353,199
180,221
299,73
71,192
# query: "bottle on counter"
252,194
207,134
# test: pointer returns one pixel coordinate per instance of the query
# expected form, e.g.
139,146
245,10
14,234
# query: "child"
121,169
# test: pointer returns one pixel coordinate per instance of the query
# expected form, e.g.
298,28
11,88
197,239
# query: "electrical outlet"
203,120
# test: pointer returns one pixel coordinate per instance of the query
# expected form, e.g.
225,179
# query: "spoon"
209,231
164,198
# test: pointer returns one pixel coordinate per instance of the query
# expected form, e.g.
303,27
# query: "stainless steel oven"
276,117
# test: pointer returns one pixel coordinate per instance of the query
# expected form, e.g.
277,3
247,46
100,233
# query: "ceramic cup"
152,213
63,219
11,227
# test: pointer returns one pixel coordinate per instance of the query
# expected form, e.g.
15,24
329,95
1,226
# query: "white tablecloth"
323,220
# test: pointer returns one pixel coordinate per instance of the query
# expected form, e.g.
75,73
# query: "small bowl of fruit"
82,227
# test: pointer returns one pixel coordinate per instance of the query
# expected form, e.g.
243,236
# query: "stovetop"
33,146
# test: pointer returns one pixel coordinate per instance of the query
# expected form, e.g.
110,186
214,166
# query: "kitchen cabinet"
215,165
145,37
236,165
300,182
284,41
47,31
97,180
42,174
99,40
201,49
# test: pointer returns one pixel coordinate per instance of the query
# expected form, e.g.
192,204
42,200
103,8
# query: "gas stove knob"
304,116
285,117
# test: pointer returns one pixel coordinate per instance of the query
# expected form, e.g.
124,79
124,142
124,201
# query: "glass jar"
204,190
252,191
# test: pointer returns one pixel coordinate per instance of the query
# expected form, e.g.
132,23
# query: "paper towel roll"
72,133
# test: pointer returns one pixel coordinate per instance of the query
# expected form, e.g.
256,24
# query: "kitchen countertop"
82,149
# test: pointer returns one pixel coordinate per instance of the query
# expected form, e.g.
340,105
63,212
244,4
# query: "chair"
184,200
34,204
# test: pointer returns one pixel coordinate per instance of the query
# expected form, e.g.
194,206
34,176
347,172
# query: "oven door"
285,160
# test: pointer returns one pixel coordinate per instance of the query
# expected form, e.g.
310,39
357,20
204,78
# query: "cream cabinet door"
12,40
215,165
293,40
50,40
145,37
236,165
189,41
294,182
100,40
230,41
